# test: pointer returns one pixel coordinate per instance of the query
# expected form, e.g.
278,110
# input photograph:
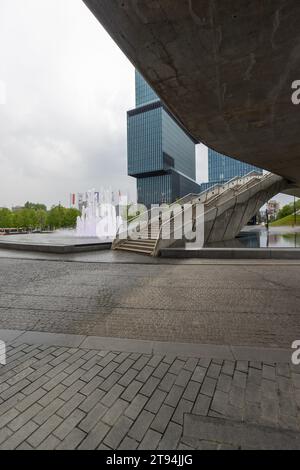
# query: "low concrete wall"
232,253
59,249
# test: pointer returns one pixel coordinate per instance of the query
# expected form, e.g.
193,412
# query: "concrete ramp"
225,210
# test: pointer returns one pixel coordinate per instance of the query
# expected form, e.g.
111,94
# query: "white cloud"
63,127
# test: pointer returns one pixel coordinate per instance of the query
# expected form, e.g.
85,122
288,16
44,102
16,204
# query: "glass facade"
143,92
161,154
222,168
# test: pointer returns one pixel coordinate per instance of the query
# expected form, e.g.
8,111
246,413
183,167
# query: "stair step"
134,250
138,246
149,241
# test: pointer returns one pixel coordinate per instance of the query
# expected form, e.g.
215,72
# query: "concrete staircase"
227,208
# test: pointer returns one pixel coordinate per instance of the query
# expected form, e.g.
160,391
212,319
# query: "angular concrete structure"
217,214
224,69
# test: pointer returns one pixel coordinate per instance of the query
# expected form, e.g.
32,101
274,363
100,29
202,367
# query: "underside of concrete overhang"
224,68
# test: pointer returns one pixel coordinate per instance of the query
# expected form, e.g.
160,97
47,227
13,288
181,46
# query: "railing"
228,185
142,221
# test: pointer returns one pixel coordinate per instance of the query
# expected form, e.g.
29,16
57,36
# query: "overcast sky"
65,88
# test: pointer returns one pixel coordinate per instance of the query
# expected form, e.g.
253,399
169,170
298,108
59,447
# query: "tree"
5,218
32,205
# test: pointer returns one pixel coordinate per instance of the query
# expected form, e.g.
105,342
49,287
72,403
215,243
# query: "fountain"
99,216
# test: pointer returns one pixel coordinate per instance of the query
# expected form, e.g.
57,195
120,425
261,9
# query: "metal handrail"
236,178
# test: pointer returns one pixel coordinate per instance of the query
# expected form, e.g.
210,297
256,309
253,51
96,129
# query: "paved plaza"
241,304
148,355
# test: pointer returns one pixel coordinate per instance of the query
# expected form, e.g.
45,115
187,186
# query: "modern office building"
161,153
222,169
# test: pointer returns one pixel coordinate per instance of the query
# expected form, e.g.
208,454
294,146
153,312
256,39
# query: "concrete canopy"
224,68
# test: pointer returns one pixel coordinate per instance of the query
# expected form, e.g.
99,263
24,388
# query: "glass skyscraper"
161,153
222,168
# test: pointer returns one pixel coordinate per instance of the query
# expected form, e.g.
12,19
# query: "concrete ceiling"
224,68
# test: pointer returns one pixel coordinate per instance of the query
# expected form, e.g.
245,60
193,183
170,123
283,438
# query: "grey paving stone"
24,417
156,401
5,433
214,370
68,424
73,377
7,417
161,370
91,400
269,372
191,391
124,366
49,397
224,383
176,366
270,410
167,382
128,377
70,405
220,402
72,390
108,383
44,430
24,446
283,370
162,418
254,376
132,390
18,437
136,406
15,389
107,370
149,387
111,396
145,373
237,396
93,417
141,425
118,432
183,378
239,434
155,360
128,444
184,406
141,362
73,440
171,437
50,443
150,441
253,393
174,396
112,415
95,437
242,366
29,400
92,385
202,404
191,364
12,401
47,412
228,367
199,374
208,386
239,379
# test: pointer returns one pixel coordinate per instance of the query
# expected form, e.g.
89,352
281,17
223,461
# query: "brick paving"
57,397
243,304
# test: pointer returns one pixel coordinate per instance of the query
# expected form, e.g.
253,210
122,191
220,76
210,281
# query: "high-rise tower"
161,153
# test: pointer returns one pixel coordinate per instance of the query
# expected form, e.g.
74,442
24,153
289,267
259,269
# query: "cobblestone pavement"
220,304
65,398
